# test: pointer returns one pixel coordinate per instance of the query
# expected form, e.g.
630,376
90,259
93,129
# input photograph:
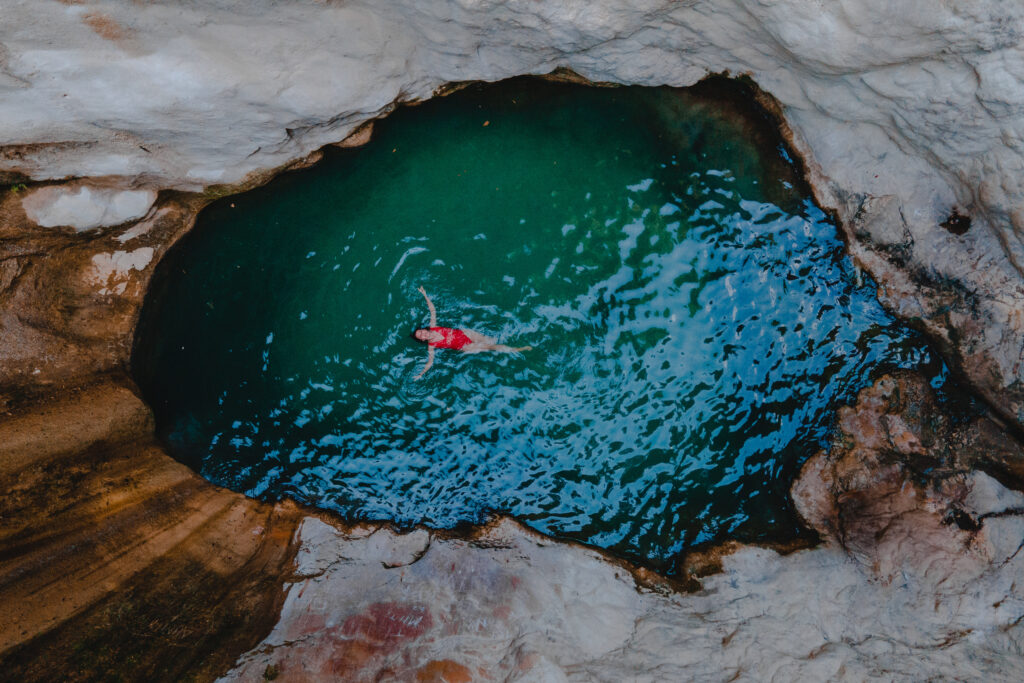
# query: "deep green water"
693,318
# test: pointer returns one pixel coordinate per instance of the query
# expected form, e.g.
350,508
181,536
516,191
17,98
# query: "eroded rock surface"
898,457
69,300
507,604
118,562
908,114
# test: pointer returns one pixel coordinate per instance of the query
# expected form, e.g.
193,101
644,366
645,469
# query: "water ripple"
694,324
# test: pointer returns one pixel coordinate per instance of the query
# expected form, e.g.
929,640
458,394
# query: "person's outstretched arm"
433,313
430,360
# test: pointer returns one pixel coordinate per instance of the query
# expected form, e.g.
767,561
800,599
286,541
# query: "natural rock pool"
694,322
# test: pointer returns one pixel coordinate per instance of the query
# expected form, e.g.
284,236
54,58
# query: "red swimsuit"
453,338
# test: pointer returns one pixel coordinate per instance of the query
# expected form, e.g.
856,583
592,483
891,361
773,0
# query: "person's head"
427,335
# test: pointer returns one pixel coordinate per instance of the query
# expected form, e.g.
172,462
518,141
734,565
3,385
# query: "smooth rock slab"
117,561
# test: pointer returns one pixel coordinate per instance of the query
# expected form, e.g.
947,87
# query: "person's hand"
421,290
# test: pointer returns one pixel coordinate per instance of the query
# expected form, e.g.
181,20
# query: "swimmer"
466,341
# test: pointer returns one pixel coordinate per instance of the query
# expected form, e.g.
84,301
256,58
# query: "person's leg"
481,342
478,338
500,348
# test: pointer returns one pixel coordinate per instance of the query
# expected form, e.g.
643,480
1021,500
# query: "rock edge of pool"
920,530
693,322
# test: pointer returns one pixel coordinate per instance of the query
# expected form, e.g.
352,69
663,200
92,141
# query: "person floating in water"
467,341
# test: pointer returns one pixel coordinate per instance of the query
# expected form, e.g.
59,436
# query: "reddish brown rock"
69,301
443,671
896,481
386,622
114,558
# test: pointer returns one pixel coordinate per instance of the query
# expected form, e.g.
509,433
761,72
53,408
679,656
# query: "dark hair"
415,338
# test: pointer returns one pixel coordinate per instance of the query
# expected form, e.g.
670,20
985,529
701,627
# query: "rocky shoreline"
113,557
117,558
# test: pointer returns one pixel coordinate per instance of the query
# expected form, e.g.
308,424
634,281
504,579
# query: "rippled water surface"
693,319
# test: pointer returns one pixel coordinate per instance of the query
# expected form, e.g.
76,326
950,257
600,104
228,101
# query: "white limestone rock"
84,207
988,497
509,604
917,578
112,272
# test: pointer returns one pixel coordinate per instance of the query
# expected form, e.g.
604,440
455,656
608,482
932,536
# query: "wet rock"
921,554
901,466
897,575
69,301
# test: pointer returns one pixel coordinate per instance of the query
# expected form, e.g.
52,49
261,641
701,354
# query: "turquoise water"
693,318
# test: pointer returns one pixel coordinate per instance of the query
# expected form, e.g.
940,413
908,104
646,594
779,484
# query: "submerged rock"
897,493
902,466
